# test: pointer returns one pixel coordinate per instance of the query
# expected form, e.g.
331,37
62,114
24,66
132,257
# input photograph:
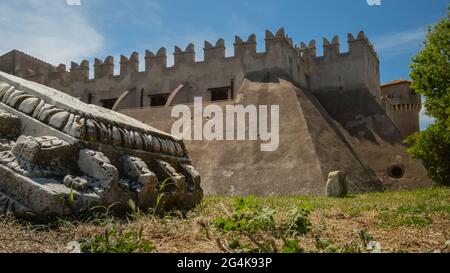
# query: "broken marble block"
59,156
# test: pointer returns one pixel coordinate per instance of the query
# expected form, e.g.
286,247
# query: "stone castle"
334,114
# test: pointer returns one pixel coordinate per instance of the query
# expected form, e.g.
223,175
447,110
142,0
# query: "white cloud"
400,43
47,29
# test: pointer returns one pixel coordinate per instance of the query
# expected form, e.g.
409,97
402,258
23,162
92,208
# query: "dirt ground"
409,221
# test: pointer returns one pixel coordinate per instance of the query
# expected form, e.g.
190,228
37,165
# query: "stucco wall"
309,148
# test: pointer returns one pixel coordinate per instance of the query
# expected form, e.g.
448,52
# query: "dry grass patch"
408,221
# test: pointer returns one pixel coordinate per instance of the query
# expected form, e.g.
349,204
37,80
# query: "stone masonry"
334,116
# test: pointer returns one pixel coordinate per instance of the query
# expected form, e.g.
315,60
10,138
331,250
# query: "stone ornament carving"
59,156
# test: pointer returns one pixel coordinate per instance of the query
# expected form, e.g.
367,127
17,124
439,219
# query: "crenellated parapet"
184,57
216,52
58,73
247,48
160,59
331,49
280,39
79,72
104,69
358,68
129,66
280,53
308,51
361,40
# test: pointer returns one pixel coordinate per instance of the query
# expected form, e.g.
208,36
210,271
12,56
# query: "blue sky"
60,33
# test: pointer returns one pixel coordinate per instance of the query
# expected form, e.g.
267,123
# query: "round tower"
402,105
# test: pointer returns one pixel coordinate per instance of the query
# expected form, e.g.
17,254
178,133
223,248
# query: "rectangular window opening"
220,93
158,100
108,103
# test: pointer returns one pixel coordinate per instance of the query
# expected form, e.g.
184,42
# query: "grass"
407,221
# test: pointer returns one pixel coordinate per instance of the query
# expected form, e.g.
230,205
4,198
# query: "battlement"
332,49
361,38
280,52
104,69
400,96
216,52
184,57
131,65
79,72
280,38
160,59
58,73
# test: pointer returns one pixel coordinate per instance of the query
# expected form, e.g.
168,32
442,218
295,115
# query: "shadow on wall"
360,114
268,76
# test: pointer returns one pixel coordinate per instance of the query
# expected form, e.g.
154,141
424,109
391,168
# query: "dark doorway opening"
158,100
109,103
90,96
220,93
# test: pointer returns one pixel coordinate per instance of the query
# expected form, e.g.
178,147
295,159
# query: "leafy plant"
292,246
297,222
161,194
247,217
430,72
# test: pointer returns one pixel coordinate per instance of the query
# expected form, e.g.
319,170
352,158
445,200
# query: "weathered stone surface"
6,145
337,184
26,148
59,120
76,183
46,150
142,181
29,105
10,124
97,165
9,205
57,159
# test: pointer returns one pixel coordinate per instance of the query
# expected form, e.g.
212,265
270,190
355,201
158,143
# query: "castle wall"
332,111
281,58
25,66
309,148
406,118
375,137
356,69
39,68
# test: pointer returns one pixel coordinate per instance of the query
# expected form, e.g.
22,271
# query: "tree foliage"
430,72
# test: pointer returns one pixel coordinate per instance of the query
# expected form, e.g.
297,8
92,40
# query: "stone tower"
402,105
